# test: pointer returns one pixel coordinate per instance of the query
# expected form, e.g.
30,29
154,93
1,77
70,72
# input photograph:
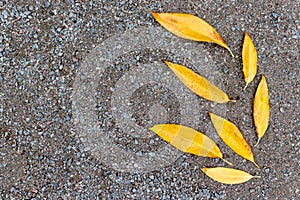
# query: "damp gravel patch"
44,46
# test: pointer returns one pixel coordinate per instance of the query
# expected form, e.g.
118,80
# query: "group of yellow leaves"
191,141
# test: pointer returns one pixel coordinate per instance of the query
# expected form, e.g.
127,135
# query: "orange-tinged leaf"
261,109
190,27
228,175
233,137
188,140
249,55
198,84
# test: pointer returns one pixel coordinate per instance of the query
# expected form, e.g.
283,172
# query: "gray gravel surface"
42,47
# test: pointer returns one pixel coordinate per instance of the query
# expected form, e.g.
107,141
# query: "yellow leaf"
228,175
249,55
261,109
233,137
198,84
188,140
190,27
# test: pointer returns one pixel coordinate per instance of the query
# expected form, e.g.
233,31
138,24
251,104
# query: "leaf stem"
256,165
229,163
230,52
256,176
257,142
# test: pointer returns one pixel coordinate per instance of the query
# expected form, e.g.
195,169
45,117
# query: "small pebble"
47,4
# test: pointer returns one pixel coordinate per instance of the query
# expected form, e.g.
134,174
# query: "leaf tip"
167,62
246,35
204,170
153,128
154,14
245,86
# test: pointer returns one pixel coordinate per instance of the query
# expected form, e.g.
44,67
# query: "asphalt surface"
45,48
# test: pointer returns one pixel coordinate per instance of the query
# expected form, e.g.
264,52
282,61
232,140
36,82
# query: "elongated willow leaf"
233,137
190,27
228,175
261,109
188,140
249,55
198,84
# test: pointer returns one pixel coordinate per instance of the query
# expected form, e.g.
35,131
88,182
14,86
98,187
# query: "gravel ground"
44,45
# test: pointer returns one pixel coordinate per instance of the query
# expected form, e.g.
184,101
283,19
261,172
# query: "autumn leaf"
198,84
188,140
228,175
249,55
190,27
261,109
233,137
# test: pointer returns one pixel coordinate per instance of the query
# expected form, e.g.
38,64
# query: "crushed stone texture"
42,47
